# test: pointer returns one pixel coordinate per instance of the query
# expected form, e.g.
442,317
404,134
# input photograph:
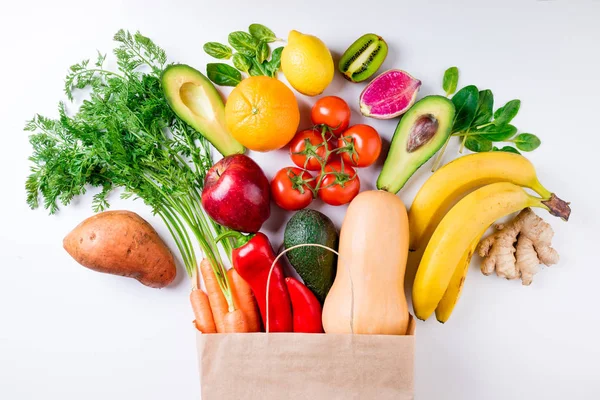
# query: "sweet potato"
122,243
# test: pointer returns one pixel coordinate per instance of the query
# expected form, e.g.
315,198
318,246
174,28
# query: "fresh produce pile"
149,127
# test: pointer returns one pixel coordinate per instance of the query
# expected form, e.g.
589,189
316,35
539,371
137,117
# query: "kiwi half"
363,58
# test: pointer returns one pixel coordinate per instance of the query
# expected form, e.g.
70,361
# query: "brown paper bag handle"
308,245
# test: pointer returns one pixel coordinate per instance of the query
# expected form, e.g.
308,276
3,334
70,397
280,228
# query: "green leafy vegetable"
465,101
275,62
485,108
505,114
507,149
527,142
259,68
223,74
262,52
126,136
256,69
478,125
251,55
478,144
497,133
218,50
450,81
242,62
262,33
243,42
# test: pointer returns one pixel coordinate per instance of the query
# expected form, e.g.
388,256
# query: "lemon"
307,63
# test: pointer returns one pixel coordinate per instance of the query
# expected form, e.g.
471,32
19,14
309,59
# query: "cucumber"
316,266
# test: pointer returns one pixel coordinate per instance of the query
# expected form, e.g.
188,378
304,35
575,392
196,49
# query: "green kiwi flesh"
363,58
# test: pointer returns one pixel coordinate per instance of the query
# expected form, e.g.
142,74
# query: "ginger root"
533,237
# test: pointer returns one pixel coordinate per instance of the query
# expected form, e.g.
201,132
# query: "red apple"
236,194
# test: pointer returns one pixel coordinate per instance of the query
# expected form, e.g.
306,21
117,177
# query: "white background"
67,332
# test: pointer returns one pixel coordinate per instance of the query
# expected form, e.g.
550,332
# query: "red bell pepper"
252,258
306,307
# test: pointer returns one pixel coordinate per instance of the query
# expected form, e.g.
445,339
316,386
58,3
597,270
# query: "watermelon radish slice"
389,95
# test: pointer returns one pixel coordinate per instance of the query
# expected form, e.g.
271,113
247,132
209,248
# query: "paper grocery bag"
295,366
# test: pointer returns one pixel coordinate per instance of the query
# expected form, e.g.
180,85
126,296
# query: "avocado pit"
423,131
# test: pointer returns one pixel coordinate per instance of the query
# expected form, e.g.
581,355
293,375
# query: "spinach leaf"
485,108
241,62
497,133
478,144
243,42
262,33
505,114
223,74
262,52
527,142
465,101
450,80
507,149
256,69
218,50
275,62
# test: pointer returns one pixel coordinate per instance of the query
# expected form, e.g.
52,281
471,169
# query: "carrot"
235,322
205,322
244,300
218,303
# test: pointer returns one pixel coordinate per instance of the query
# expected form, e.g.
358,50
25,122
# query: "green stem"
144,59
191,144
462,144
239,238
182,235
201,230
484,125
468,133
226,244
182,240
438,160
99,70
324,129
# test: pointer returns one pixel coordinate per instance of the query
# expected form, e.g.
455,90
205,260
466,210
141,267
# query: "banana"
452,294
464,224
459,177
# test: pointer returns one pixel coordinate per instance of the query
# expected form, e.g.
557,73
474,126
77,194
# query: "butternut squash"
373,250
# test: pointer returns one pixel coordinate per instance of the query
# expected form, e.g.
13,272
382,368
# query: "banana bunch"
451,224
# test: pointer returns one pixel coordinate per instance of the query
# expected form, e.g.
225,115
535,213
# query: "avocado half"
196,101
419,135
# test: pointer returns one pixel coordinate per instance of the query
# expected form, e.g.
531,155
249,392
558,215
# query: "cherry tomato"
290,188
333,112
341,187
363,143
306,143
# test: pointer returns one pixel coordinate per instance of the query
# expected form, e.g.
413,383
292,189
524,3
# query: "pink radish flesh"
389,95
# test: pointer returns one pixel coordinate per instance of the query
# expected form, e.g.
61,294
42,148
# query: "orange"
262,113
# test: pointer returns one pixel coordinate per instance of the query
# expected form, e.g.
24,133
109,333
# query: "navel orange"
262,113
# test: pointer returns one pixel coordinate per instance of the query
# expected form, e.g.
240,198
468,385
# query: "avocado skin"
316,266
401,164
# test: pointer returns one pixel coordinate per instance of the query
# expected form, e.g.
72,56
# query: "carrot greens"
125,135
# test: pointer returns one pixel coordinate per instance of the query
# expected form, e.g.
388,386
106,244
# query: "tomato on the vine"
291,188
306,145
361,145
339,184
333,112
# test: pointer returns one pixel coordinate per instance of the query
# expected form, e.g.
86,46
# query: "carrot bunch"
228,306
